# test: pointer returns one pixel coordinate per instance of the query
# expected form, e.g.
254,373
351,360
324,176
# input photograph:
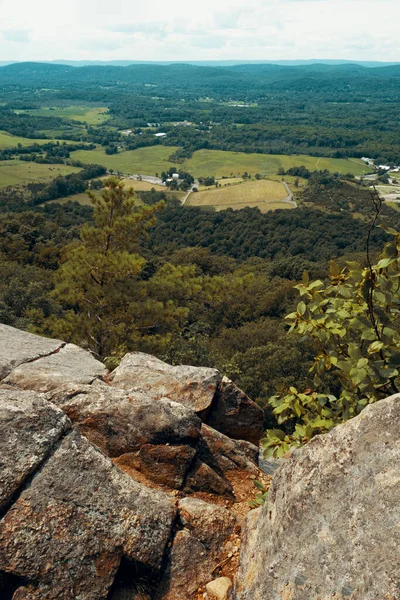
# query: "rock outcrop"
103,478
71,524
219,402
330,528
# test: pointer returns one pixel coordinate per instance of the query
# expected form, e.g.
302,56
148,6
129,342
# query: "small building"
175,176
159,135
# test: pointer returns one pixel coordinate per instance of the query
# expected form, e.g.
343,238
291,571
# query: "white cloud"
182,30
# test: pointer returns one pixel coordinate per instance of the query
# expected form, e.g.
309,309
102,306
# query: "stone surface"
193,387
210,524
330,528
204,479
68,365
223,454
189,567
120,422
68,530
17,347
167,465
235,415
270,465
30,427
219,589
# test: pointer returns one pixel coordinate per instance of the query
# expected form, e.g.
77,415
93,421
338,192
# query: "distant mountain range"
210,63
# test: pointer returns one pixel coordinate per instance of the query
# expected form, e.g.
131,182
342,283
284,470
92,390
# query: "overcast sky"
199,29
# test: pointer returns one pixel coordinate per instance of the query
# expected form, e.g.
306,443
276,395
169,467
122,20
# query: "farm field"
10,141
143,186
90,115
220,163
145,161
18,172
154,159
265,194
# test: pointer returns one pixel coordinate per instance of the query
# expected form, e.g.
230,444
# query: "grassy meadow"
90,115
220,163
264,194
18,172
145,161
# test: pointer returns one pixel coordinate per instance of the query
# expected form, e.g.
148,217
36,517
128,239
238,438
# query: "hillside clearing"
265,194
90,115
18,172
219,163
145,161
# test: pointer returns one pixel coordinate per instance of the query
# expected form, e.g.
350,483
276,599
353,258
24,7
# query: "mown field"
10,141
90,115
265,194
145,161
219,163
18,172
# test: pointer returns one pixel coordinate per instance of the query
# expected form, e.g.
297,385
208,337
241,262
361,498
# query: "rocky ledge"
133,485
115,485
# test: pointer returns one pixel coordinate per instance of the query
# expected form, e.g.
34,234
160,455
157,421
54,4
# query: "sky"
175,30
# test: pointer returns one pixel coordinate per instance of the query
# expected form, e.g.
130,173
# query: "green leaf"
375,347
301,308
259,485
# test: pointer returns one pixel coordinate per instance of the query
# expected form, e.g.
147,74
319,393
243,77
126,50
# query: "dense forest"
339,111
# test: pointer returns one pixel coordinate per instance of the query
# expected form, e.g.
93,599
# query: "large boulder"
235,415
120,422
18,347
330,528
30,427
194,387
68,530
66,364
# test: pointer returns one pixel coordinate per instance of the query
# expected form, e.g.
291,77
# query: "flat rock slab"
194,387
18,347
30,427
120,421
70,364
68,530
330,528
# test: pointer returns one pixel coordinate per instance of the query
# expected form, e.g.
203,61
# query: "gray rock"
68,530
30,427
120,422
330,528
270,465
235,415
209,523
223,454
194,387
70,365
203,478
189,567
18,347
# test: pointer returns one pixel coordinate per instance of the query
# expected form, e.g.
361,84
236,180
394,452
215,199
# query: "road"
289,197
